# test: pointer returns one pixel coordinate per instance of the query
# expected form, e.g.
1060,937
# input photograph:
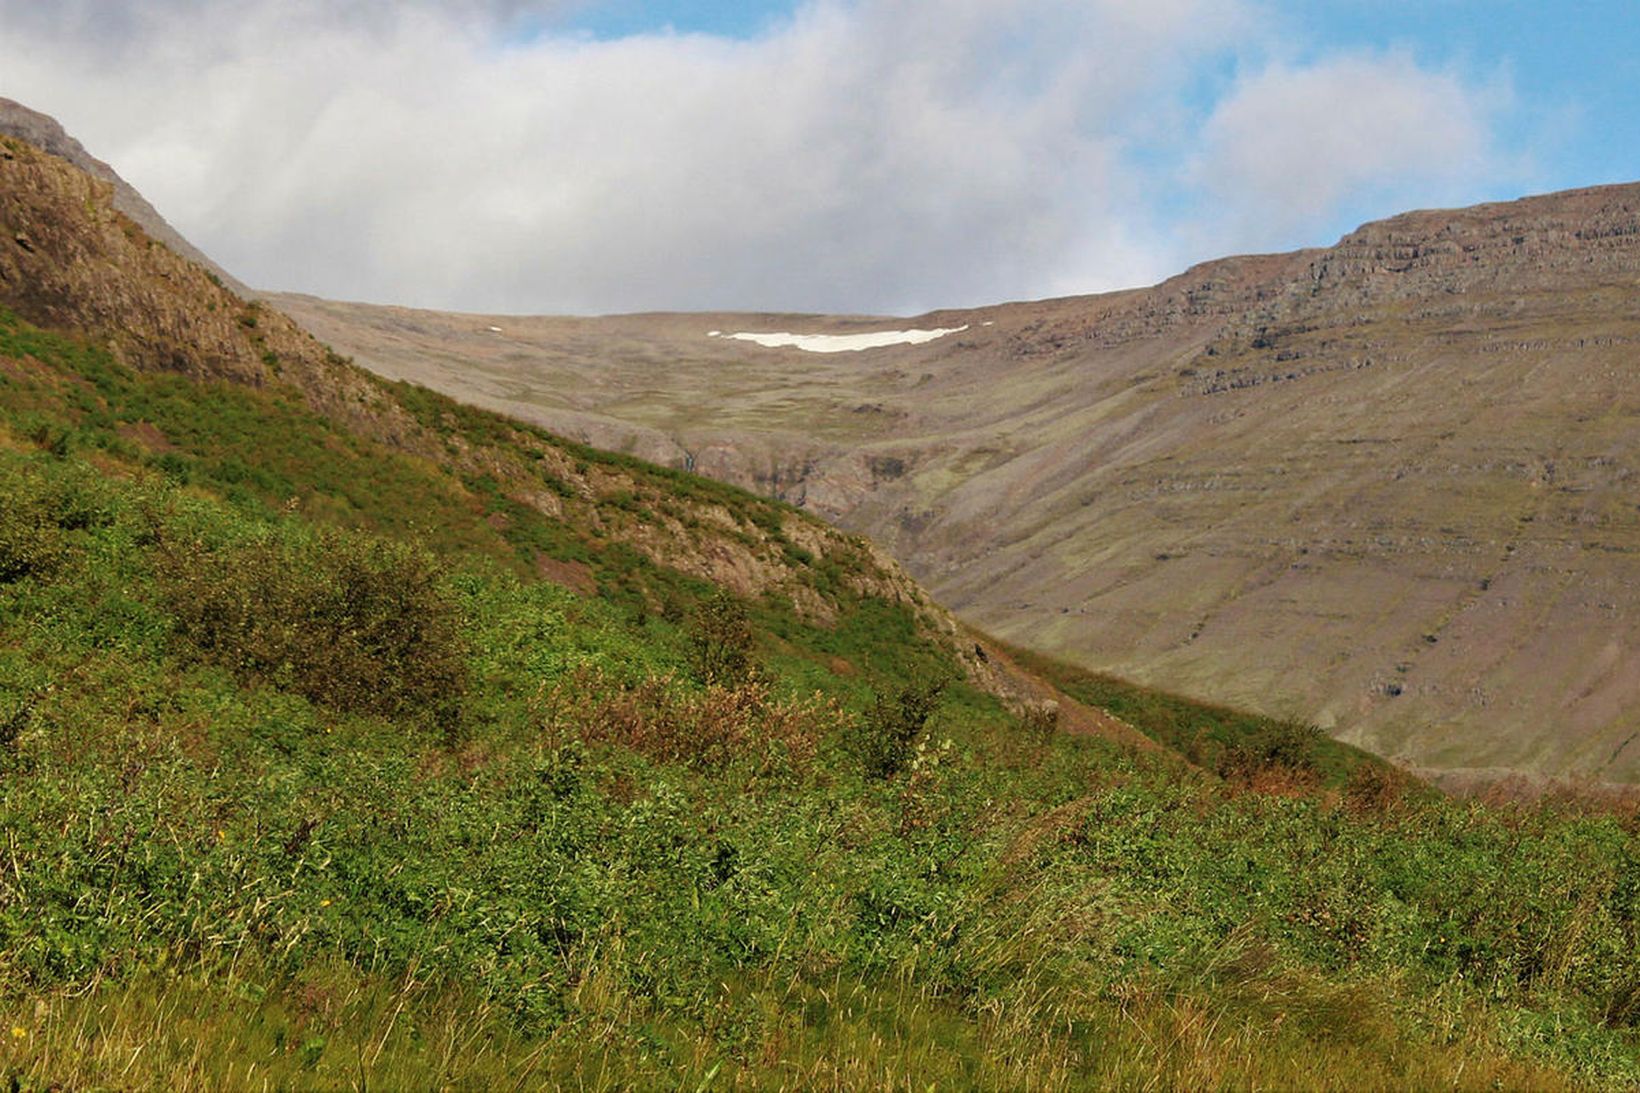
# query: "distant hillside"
1384,486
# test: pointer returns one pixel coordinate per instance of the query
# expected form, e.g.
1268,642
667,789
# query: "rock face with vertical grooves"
1392,486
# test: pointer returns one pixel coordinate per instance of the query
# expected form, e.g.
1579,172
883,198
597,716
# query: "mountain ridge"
47,133
1041,472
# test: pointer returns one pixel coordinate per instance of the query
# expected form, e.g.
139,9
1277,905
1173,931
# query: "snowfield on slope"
841,343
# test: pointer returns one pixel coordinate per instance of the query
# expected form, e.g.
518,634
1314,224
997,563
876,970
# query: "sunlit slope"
1385,486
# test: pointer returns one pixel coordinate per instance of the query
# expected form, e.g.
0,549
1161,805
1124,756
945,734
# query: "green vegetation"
365,625
887,735
720,641
318,807
1218,737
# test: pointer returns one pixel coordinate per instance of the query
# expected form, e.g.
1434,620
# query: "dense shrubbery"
886,737
705,729
31,541
1281,750
355,622
1374,788
720,641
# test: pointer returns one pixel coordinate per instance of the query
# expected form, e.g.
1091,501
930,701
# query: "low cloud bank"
874,157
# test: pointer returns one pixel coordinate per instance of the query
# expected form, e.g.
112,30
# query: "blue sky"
1574,67
825,155
617,18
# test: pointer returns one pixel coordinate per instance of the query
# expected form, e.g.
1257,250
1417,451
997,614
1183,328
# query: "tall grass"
235,849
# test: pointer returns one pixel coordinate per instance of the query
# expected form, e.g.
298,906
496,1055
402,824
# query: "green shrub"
12,724
355,622
720,641
1374,788
31,540
703,729
1283,747
885,738
1040,720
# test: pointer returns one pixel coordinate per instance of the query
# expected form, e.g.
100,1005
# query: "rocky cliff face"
45,133
1389,486
70,259
1559,241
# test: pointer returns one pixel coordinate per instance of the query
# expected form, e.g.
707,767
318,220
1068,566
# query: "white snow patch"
842,343
495,330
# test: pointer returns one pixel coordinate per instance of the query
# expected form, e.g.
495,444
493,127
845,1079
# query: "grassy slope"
265,453
1201,731
211,880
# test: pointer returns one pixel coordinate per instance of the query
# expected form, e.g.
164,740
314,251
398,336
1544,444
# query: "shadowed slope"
46,133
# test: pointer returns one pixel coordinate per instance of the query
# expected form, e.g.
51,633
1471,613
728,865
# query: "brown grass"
706,728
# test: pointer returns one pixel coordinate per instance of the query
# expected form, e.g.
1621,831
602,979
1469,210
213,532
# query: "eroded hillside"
581,517
1386,486
46,133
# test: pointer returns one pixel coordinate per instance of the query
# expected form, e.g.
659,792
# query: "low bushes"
705,729
720,641
355,622
1280,751
885,739
31,540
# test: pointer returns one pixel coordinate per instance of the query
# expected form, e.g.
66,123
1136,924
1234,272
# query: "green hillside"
351,738
246,831
1383,487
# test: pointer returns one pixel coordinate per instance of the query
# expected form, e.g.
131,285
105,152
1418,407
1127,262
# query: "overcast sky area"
877,156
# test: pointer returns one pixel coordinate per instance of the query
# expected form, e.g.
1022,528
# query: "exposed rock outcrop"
47,134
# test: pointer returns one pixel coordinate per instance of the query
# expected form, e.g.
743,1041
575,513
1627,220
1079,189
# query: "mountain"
75,261
354,736
47,134
1385,486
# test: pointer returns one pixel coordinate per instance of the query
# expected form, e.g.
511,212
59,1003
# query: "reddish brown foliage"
707,728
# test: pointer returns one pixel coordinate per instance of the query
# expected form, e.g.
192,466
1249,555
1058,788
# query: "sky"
860,156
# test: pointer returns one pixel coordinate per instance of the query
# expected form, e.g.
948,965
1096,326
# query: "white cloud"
1288,146
870,156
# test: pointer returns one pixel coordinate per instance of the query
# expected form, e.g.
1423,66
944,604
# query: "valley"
356,735
1386,487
